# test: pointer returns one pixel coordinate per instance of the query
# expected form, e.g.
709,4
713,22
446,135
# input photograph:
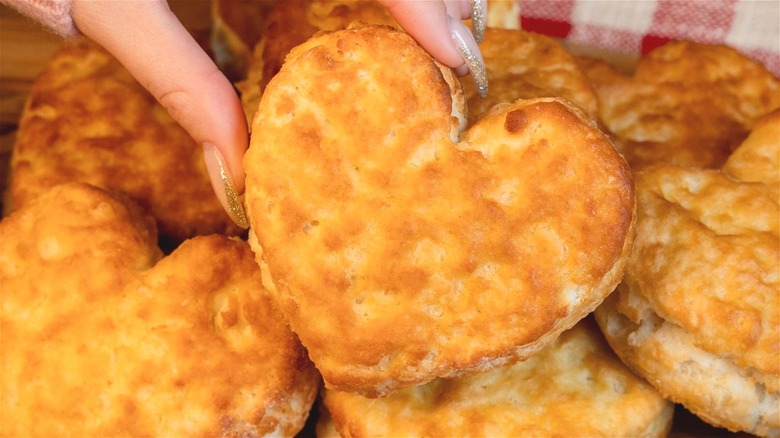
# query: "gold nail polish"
223,184
234,202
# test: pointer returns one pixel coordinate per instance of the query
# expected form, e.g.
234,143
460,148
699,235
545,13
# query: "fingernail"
479,19
463,39
222,182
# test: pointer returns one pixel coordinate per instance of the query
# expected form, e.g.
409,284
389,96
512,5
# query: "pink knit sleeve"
54,14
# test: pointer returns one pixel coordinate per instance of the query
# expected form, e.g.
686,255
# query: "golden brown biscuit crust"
88,120
98,340
399,254
289,24
574,386
686,103
526,65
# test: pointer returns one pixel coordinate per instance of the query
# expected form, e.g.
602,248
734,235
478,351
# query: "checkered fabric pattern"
638,26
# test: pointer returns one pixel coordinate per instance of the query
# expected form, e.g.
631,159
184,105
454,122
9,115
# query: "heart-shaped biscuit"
101,337
400,249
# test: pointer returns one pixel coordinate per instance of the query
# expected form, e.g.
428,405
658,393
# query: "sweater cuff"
54,14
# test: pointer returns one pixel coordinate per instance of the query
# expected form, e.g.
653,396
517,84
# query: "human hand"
148,39
437,27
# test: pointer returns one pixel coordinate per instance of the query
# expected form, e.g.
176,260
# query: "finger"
474,9
458,8
428,23
148,39
444,37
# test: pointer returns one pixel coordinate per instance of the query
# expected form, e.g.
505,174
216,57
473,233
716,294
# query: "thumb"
437,27
148,39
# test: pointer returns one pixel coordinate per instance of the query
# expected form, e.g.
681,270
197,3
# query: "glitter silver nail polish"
478,19
473,62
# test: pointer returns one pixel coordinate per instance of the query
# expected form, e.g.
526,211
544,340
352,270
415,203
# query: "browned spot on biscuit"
515,121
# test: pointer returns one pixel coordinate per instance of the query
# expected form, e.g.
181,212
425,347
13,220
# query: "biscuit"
575,386
86,119
525,65
686,103
401,249
102,337
291,23
698,314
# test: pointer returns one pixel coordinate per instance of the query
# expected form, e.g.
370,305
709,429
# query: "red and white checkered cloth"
638,26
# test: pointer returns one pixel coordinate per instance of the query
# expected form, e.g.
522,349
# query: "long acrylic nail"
479,19
222,182
463,39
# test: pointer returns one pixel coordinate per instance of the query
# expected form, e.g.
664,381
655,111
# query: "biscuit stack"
433,257
697,313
